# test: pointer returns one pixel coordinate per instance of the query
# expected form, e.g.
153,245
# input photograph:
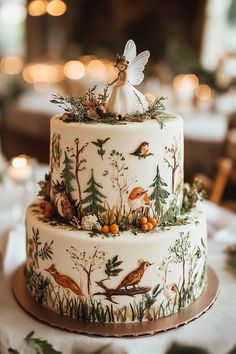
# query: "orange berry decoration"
152,221
144,227
143,220
114,228
105,229
150,226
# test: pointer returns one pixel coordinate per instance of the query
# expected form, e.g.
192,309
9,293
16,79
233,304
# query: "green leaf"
41,346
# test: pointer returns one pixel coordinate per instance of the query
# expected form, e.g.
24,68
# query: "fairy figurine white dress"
124,98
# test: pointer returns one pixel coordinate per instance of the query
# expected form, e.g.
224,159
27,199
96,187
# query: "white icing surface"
125,139
131,249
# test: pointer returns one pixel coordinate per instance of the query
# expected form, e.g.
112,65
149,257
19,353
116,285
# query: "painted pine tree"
159,193
67,173
94,198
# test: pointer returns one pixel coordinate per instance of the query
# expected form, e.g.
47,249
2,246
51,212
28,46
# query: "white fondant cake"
91,278
128,158
115,236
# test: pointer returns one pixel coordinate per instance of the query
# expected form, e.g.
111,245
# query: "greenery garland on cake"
109,222
92,108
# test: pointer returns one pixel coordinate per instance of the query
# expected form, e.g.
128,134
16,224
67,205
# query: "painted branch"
108,293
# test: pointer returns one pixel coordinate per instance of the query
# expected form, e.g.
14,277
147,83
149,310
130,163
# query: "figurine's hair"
121,59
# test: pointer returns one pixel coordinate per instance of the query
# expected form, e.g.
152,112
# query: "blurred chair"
219,184
215,187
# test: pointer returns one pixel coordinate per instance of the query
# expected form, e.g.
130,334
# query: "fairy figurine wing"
136,63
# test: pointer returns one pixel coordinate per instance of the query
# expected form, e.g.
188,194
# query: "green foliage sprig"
91,108
77,108
45,187
157,111
192,193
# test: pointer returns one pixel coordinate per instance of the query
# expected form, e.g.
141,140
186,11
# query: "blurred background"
66,46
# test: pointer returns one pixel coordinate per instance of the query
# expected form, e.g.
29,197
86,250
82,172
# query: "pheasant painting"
134,277
65,281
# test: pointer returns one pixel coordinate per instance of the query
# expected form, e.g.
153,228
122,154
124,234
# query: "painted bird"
65,281
138,199
170,291
142,151
134,277
62,201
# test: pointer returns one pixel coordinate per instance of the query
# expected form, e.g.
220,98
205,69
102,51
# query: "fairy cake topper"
120,101
125,99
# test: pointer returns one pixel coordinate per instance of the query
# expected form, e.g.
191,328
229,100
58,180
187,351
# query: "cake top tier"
120,101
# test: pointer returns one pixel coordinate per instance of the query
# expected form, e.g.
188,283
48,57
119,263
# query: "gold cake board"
192,312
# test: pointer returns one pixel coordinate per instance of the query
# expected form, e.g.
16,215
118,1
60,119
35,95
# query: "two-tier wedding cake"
116,236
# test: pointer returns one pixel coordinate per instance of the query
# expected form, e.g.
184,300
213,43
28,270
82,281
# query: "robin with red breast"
138,199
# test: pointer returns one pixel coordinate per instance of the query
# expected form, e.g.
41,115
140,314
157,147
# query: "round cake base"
192,312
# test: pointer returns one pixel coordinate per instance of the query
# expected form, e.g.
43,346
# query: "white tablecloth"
214,331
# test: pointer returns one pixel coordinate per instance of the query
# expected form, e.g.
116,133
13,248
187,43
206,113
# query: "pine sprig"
111,267
157,111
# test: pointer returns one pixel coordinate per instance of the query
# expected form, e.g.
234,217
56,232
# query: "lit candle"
20,170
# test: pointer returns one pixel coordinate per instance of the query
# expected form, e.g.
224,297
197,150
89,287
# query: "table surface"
214,331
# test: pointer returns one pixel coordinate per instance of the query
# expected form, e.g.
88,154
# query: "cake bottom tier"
127,278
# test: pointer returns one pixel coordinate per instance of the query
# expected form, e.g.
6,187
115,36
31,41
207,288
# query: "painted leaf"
111,268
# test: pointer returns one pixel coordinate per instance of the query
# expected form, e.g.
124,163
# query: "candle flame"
19,161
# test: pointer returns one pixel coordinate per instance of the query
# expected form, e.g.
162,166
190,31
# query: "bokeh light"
185,81
85,59
11,65
13,13
97,70
74,70
37,7
56,8
19,161
203,92
43,73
